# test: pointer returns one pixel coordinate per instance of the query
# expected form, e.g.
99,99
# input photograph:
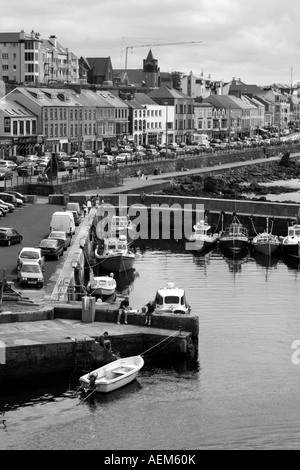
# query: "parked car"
31,158
31,254
2,214
8,236
123,157
5,173
63,165
8,164
27,169
30,274
41,167
10,207
11,198
4,209
52,248
76,162
105,159
151,153
62,156
64,236
18,195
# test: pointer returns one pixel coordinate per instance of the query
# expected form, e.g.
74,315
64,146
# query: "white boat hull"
113,376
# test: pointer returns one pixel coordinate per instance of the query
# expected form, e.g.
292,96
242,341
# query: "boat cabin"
294,231
171,299
113,245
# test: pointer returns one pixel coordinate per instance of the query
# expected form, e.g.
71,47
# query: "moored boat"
114,255
266,242
235,237
102,287
171,299
202,238
112,376
291,243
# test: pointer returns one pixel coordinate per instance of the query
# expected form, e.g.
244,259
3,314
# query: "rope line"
165,339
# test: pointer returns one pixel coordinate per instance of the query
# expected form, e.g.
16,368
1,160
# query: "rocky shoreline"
237,183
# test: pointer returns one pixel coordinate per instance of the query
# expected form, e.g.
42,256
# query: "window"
15,128
33,127
6,124
4,67
29,57
5,56
27,127
21,127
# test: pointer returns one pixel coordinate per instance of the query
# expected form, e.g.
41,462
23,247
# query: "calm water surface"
242,393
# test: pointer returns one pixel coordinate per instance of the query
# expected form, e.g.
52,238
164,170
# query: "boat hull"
116,263
266,248
113,376
234,245
199,245
291,249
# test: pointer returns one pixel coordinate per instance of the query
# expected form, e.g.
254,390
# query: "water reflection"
95,399
291,262
235,260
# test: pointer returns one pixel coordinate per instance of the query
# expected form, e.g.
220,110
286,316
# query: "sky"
254,40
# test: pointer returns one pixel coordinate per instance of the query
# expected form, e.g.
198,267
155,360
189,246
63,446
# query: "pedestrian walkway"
138,184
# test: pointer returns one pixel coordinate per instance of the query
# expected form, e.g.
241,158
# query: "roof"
164,92
98,65
135,77
223,101
140,100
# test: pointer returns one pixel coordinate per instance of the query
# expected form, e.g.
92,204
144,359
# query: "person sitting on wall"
104,342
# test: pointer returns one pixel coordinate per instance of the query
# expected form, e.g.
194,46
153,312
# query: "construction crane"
156,45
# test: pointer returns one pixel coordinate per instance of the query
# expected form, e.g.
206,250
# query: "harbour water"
241,393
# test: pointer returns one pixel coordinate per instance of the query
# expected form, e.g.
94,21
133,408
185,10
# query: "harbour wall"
52,341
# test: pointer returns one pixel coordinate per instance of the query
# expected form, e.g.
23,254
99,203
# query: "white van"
63,222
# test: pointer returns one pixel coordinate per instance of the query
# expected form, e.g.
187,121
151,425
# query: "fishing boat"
122,225
116,226
235,237
291,243
112,376
113,254
102,287
266,242
202,238
171,299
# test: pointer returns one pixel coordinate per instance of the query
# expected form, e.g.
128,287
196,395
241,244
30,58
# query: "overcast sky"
255,40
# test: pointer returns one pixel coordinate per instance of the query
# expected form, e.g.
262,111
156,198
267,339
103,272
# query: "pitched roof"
165,92
135,76
99,65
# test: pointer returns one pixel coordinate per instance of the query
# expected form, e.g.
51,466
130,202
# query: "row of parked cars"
9,200
31,260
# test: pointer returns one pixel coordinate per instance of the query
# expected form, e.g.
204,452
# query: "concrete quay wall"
58,341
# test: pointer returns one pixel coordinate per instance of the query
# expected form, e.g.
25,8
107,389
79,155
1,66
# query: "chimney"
53,40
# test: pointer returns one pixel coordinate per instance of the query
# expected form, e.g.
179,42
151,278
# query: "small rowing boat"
112,376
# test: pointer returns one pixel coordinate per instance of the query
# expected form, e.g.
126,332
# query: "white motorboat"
114,255
202,238
102,287
266,242
171,299
112,376
291,243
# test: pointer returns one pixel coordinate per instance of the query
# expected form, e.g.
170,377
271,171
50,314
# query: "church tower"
150,70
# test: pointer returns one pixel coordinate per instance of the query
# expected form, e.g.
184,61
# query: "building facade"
26,58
